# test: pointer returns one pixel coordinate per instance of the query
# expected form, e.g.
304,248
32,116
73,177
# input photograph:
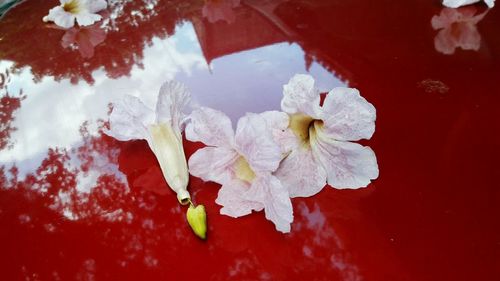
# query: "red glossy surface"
75,204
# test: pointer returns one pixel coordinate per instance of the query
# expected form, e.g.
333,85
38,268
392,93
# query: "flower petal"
213,164
231,198
301,96
60,17
348,165
301,174
211,127
269,191
85,18
173,99
254,141
458,3
490,3
347,115
95,6
278,123
130,119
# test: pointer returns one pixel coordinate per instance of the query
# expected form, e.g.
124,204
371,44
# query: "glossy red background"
431,215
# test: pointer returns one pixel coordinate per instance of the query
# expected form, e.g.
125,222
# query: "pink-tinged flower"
83,11
457,29
325,153
84,38
161,128
216,10
242,162
459,3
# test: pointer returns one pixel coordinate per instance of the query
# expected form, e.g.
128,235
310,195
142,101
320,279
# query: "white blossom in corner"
325,153
242,162
161,128
459,3
83,11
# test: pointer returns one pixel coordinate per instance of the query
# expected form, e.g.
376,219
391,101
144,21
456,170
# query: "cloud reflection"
99,202
51,118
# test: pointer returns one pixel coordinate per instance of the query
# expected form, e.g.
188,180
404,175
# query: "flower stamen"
243,170
315,131
303,126
299,124
72,7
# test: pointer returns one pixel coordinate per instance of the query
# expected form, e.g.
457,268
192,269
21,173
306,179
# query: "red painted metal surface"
78,205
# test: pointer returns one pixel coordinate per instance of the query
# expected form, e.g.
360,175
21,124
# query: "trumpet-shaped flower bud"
161,128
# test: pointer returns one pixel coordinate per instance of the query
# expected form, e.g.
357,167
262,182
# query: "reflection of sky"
53,111
252,81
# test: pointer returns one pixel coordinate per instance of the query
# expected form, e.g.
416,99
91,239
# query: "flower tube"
161,128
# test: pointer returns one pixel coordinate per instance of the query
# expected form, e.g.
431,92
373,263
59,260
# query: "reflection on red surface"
85,39
220,10
457,29
8,106
432,214
122,49
220,38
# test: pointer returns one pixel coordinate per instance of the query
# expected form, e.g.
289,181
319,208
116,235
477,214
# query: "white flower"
83,11
325,153
459,3
161,128
457,29
242,162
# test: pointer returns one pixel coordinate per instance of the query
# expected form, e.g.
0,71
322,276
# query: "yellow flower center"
243,170
72,7
303,125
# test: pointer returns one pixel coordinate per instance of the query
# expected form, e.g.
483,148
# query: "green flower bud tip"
197,219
